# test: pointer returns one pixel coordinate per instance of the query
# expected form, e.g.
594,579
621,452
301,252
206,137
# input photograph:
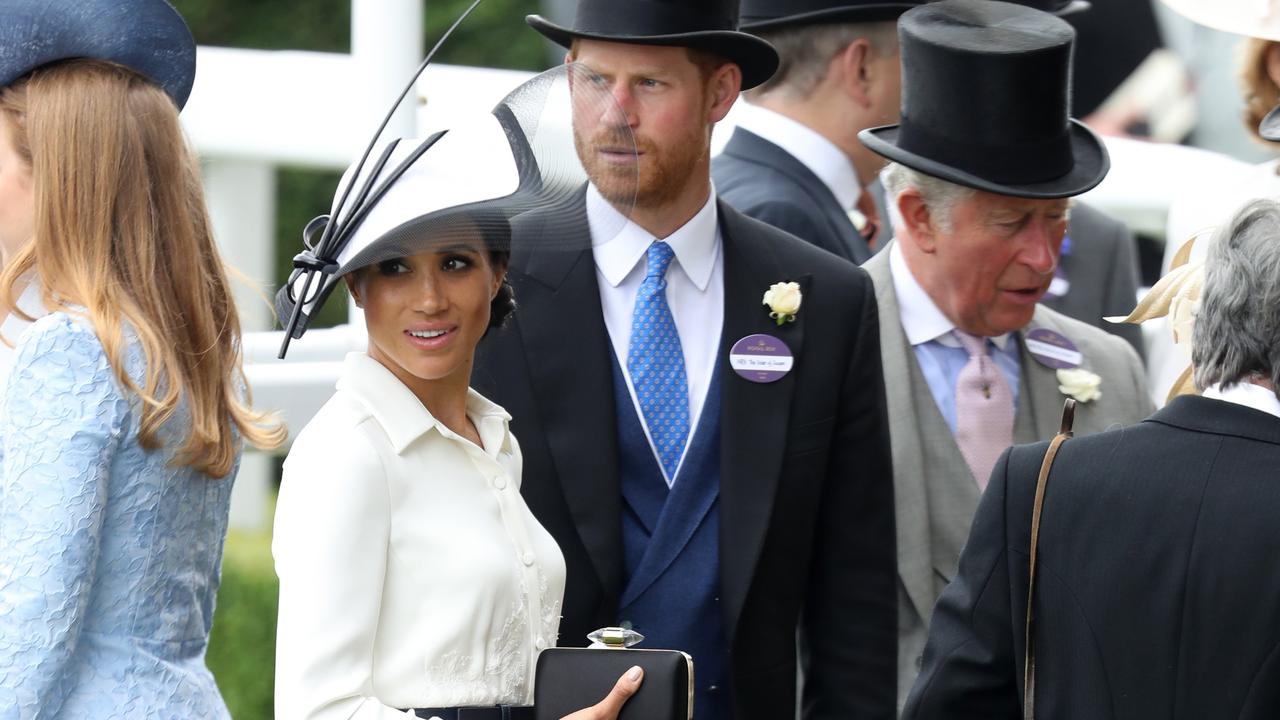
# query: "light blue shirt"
937,350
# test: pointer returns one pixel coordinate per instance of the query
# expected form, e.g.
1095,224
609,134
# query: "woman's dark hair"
504,303
496,230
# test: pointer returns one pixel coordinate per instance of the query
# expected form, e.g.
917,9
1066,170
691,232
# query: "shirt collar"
922,321
1248,395
696,243
811,148
403,416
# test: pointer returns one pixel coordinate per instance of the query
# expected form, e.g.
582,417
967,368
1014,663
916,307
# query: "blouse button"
499,482
540,643
527,558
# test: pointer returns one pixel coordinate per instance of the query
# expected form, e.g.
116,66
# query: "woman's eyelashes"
457,263
452,262
392,267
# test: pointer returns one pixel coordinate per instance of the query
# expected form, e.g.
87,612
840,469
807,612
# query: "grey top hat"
146,36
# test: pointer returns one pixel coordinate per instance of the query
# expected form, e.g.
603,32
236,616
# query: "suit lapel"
569,357
1040,402
753,416
750,147
911,500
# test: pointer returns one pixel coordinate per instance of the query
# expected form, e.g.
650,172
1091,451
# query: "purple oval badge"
1052,349
760,358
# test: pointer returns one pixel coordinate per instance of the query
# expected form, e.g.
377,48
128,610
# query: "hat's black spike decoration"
319,260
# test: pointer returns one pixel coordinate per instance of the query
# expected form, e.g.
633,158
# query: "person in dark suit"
1097,273
794,160
1155,587
720,501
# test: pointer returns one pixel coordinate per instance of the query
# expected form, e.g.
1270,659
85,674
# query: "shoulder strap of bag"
1029,665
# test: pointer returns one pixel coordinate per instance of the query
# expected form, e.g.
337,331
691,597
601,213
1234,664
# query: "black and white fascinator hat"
460,183
146,36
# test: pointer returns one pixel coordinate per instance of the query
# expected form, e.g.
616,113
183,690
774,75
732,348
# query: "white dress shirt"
695,290
811,148
938,352
1248,395
412,573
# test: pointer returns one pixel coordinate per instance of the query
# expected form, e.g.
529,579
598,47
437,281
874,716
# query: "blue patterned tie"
656,363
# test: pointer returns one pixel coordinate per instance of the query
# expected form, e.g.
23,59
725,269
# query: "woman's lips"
435,342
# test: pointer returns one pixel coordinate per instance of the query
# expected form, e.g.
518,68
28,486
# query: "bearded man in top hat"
715,468
794,160
980,193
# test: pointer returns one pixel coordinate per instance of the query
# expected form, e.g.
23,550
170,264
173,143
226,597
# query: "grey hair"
1237,329
940,196
805,53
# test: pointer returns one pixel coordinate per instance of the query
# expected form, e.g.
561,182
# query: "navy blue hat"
146,36
710,25
986,96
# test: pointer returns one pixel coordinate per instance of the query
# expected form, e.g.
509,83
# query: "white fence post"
242,204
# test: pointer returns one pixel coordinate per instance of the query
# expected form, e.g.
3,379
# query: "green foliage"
242,645
277,25
494,36
301,194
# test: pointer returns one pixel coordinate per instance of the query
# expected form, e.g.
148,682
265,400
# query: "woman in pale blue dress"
122,418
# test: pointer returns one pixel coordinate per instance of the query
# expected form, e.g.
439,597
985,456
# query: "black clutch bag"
567,680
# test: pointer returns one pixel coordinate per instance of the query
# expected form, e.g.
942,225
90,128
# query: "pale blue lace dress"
109,556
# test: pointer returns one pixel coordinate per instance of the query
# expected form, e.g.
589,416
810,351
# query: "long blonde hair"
122,235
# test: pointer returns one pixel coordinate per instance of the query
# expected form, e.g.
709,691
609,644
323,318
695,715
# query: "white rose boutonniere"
1079,384
783,300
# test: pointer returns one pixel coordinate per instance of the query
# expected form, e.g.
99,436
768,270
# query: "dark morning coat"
1157,585
806,496
769,184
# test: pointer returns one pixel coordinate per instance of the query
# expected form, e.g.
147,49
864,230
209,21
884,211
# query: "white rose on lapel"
1079,384
783,300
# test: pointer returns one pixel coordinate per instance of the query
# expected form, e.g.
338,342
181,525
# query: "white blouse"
412,574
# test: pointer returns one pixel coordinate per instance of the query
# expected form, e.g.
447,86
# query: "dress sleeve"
332,527
61,420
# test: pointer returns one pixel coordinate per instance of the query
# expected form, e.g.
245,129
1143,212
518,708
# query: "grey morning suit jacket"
935,492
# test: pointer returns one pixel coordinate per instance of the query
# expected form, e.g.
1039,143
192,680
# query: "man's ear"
354,288
918,220
853,67
1271,61
725,83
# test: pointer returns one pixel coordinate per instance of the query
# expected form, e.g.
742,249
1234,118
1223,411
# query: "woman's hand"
611,705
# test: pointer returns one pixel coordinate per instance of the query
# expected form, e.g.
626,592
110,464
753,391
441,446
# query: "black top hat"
709,25
986,90
146,36
1057,7
766,15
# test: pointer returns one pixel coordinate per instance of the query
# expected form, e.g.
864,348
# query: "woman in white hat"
414,580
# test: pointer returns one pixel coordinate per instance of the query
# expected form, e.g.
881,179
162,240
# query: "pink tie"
984,409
